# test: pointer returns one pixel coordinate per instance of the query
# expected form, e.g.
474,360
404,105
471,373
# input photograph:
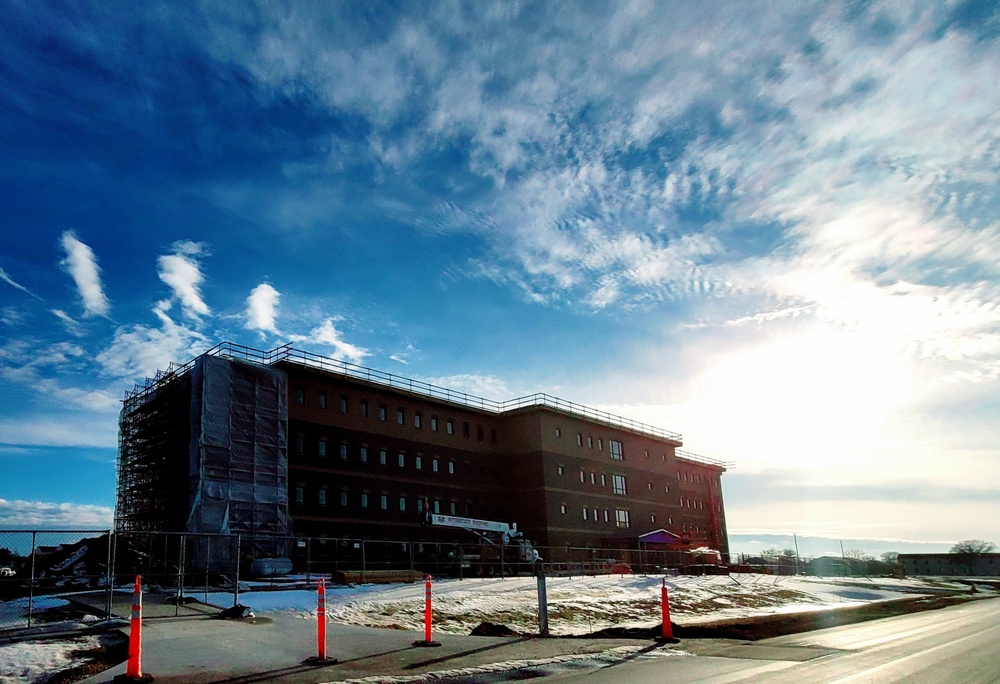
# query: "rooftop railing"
289,354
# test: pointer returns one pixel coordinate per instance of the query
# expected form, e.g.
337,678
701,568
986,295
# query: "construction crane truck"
500,548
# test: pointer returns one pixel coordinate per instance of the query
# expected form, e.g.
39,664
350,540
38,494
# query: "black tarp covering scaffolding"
238,457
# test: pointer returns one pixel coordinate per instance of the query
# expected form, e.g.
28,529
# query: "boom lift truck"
502,548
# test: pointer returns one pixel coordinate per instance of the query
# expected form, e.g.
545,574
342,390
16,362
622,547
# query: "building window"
437,506
670,520
605,515
420,505
604,480
616,450
452,508
364,408
451,467
583,476
364,499
600,444
321,496
381,457
322,399
647,453
649,486
400,417
666,489
562,508
343,497
593,478
579,439
382,411
590,442
618,484
480,433
364,454
416,420
434,465
449,427
300,444
621,518
560,470
558,432
652,517
402,460
418,463
465,429
585,513
343,452
343,403
402,503
321,447
300,396
434,423
300,493
596,519
384,502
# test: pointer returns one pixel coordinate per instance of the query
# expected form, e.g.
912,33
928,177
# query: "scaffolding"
153,443
203,449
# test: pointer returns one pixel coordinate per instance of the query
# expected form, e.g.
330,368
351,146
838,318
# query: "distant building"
951,564
286,442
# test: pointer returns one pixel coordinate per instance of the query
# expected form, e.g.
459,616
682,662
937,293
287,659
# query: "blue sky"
771,227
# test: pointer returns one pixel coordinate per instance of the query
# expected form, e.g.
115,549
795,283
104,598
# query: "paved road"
957,645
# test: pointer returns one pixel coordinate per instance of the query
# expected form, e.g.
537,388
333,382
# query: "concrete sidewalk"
275,648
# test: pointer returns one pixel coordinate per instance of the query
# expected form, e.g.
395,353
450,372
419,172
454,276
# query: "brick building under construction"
288,443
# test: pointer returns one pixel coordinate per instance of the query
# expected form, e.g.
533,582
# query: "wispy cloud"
81,263
45,371
72,326
138,351
326,334
182,272
262,308
16,285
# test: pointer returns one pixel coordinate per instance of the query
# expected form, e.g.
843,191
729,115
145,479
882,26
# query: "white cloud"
17,286
327,334
138,351
81,264
33,367
45,515
76,430
262,307
485,386
182,272
71,325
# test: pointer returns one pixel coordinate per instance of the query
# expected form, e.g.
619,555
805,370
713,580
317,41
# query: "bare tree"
857,554
969,551
973,546
891,557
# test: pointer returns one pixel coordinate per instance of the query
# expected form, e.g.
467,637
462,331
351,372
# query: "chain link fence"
57,575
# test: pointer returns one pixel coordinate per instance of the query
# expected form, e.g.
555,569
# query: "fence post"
236,585
427,615
180,576
543,607
110,577
31,585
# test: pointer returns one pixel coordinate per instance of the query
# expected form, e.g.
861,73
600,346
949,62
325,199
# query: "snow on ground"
36,661
579,605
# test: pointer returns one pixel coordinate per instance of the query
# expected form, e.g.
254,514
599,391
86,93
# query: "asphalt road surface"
956,645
